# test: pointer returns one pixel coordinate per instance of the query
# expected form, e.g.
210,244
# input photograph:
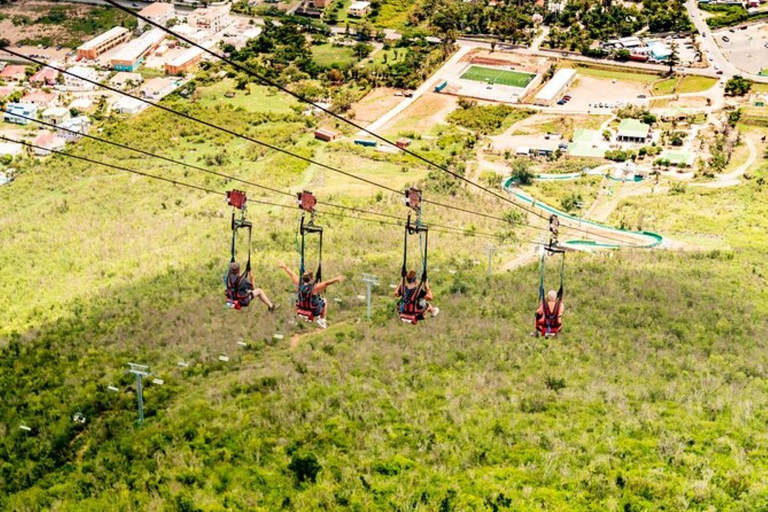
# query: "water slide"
623,238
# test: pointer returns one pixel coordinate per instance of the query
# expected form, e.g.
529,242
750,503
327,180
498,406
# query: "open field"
682,85
255,99
423,115
38,22
623,76
375,104
327,55
498,76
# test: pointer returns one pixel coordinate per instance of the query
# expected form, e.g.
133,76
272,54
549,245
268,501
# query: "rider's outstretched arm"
427,289
290,273
321,287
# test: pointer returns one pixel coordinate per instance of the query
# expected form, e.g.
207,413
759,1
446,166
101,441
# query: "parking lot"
746,49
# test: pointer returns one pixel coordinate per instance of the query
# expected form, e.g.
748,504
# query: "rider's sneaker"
273,307
435,311
322,323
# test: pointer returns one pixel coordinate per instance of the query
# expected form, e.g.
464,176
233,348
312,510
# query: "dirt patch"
428,111
375,104
33,10
514,61
587,92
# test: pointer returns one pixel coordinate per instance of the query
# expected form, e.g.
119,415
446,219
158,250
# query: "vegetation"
726,15
488,119
737,86
683,84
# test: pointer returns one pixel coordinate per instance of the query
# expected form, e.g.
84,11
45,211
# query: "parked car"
725,38
719,72
567,97
561,102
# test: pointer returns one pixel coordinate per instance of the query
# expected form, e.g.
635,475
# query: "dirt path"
733,178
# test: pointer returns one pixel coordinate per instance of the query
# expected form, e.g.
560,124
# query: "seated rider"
552,323
241,288
307,286
425,294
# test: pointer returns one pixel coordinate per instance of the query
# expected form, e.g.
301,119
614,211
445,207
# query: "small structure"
678,158
185,62
442,85
40,98
403,142
629,42
81,125
103,43
129,106
159,12
14,73
55,115
366,143
555,87
81,105
77,82
47,142
10,149
632,130
674,114
44,77
326,135
157,88
126,81
660,52
14,110
359,9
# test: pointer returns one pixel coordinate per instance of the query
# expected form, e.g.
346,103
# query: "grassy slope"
681,85
654,397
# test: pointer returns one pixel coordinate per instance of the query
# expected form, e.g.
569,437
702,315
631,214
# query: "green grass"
327,55
498,76
641,78
682,85
653,398
255,99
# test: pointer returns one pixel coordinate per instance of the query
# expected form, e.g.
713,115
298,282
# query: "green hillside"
655,397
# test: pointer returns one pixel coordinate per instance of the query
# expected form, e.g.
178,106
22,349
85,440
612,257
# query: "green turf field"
498,76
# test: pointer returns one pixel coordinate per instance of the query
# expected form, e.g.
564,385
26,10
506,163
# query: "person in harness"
415,299
549,316
308,297
241,289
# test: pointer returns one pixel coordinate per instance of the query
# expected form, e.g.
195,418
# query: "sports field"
498,76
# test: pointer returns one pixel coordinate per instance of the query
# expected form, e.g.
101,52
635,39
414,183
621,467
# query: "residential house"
80,125
359,9
78,81
126,81
131,106
47,142
44,77
14,73
81,105
14,110
55,115
40,98
632,130
157,88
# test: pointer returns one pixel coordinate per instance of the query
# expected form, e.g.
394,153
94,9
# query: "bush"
305,467
488,120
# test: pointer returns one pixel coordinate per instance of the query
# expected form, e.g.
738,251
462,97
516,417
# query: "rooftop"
156,9
138,47
582,135
556,84
360,5
186,56
633,128
103,38
12,70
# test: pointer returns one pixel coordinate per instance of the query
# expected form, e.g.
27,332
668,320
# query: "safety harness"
548,323
408,308
307,302
236,300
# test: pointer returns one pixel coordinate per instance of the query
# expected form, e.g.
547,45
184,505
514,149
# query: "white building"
81,105
157,88
214,18
359,9
76,83
81,125
56,115
125,80
555,87
130,106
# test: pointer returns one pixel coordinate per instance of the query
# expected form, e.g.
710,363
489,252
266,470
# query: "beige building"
103,43
159,12
359,9
180,65
214,18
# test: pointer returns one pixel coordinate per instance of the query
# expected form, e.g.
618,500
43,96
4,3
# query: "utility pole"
491,250
370,281
140,371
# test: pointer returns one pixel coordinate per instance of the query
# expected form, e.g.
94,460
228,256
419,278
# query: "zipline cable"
341,118
289,153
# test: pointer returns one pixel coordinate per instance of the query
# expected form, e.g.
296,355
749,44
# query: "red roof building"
14,73
40,98
45,76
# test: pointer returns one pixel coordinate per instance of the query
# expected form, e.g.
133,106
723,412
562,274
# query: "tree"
521,171
362,50
737,86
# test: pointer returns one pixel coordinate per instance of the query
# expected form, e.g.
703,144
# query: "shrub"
305,467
